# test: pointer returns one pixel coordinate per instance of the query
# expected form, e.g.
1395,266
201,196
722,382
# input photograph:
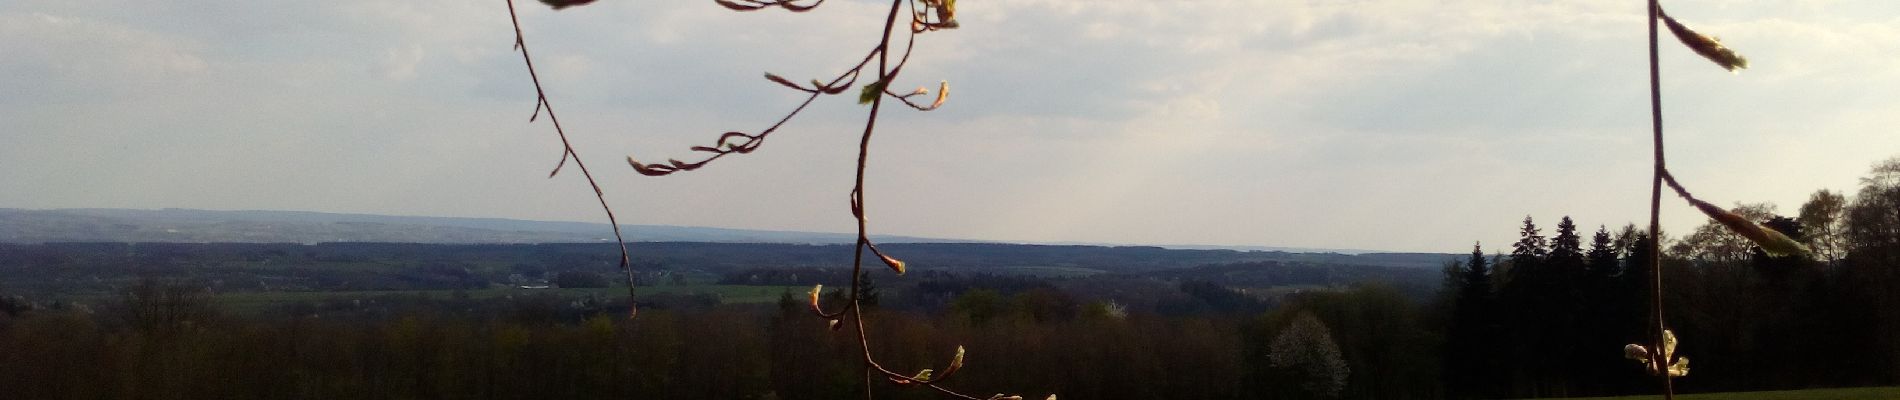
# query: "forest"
1544,316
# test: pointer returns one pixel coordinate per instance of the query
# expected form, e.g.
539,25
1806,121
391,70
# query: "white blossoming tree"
1306,350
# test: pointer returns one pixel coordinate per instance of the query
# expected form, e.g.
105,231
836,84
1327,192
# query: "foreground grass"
1867,393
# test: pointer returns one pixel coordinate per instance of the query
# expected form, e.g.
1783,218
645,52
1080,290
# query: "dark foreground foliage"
169,342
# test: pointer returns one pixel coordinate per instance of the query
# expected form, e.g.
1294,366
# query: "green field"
730,294
1868,393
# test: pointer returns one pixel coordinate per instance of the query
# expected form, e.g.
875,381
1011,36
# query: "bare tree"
1822,219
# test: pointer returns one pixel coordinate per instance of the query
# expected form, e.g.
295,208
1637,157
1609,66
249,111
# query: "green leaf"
871,92
560,4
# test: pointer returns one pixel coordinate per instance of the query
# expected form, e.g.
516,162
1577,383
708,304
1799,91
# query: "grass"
1866,393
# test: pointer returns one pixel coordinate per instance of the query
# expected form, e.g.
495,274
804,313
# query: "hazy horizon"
843,236
1390,125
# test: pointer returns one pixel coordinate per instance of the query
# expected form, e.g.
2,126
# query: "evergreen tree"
868,293
1450,284
1601,317
1524,305
1565,270
1635,283
1471,356
1531,247
1566,250
1477,281
1600,262
1560,315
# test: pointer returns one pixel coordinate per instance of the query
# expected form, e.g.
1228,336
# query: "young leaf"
956,362
1680,368
896,264
814,296
1707,46
644,169
1669,344
946,13
785,82
871,92
893,262
560,4
1635,352
943,93
730,5
1771,241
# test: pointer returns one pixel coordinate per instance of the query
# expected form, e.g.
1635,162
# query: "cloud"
39,57
1395,124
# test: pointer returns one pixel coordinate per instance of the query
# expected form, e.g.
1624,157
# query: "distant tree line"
103,268
170,341
1545,317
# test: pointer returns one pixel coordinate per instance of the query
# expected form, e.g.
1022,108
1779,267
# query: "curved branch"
753,5
747,142
567,152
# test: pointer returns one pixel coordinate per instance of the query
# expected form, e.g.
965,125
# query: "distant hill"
173,225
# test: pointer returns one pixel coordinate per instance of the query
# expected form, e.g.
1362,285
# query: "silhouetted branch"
741,142
1655,198
1770,240
567,151
750,5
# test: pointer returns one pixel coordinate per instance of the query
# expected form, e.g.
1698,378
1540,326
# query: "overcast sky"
1391,125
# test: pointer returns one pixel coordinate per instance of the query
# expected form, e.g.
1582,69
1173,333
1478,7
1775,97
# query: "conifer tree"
1600,262
1531,247
1561,315
1602,319
1566,250
1477,282
1471,356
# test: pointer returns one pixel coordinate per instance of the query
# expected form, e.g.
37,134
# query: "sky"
1386,125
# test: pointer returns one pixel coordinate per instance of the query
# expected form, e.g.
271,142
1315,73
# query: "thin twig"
567,151
750,142
1670,179
886,73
